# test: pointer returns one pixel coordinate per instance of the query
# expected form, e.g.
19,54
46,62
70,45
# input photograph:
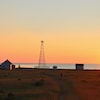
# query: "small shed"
54,67
7,65
79,66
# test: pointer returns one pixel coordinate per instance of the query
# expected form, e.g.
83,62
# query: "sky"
70,30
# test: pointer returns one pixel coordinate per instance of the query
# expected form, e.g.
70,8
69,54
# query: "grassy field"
49,85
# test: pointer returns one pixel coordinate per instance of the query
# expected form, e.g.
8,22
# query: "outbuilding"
79,66
54,67
7,65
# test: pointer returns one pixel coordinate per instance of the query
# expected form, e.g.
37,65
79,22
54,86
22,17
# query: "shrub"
39,83
19,79
11,96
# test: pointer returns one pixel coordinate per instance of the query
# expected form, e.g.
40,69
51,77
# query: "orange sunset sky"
70,30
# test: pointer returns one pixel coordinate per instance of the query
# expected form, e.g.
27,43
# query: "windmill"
42,63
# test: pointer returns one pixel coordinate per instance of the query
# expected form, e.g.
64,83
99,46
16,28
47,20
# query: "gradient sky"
70,29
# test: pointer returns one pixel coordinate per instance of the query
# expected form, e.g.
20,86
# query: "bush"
19,79
39,83
11,96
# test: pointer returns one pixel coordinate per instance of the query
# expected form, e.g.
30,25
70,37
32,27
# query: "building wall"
5,66
79,66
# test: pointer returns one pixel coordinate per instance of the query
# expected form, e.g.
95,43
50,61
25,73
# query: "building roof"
7,61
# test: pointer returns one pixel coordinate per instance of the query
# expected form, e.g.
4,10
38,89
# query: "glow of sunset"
70,30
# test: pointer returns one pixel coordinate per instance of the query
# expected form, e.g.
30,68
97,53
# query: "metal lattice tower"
42,56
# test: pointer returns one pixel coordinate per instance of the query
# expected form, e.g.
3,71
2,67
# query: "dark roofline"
6,61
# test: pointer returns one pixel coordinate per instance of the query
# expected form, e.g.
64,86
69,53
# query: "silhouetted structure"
7,65
42,63
19,66
54,67
79,66
42,57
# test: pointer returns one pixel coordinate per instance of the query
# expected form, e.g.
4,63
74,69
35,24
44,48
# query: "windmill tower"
42,56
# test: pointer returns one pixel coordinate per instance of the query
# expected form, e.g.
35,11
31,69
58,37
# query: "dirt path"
67,91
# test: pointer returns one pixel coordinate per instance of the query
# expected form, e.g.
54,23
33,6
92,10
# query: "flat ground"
49,85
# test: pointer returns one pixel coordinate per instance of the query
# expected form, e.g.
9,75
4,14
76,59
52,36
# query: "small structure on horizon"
79,66
7,65
19,66
54,67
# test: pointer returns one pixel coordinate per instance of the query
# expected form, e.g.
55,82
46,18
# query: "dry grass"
49,85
